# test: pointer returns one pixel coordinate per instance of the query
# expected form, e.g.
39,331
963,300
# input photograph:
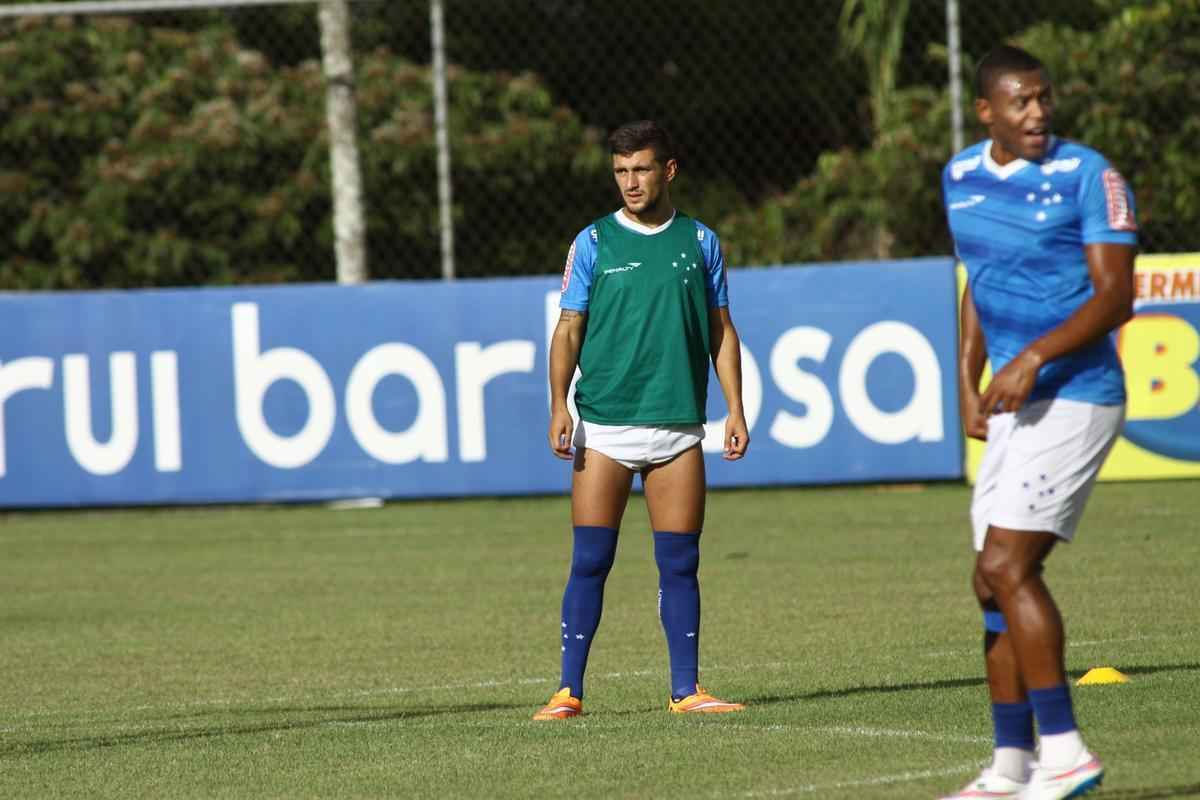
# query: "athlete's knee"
594,552
983,592
677,554
1000,574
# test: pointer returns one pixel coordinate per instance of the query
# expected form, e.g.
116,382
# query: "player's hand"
737,438
974,420
562,428
1010,387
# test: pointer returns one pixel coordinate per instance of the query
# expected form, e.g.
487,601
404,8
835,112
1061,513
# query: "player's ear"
670,169
983,110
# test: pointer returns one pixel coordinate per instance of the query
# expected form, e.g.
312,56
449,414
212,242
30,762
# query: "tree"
1125,88
143,156
1129,90
836,213
874,30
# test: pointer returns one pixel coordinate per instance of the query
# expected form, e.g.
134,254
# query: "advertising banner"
423,389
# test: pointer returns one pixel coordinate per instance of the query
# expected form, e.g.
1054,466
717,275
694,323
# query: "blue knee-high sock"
1013,725
1011,722
1053,709
591,559
678,559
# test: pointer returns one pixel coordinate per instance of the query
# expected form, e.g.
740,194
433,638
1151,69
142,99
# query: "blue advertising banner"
418,389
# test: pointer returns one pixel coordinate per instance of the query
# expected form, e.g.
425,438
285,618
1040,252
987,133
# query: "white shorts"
1040,464
636,447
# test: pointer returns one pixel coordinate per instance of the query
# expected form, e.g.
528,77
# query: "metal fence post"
446,222
954,49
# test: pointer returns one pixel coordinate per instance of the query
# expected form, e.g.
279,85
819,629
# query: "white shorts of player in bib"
636,447
1040,464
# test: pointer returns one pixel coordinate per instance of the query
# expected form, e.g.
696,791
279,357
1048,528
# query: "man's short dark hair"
1000,61
641,135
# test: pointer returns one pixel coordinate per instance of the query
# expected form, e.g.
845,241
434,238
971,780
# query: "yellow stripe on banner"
1159,349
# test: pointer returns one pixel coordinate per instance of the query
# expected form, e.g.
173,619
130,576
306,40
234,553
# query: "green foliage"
1130,90
143,156
1126,89
876,203
874,30
183,149
746,93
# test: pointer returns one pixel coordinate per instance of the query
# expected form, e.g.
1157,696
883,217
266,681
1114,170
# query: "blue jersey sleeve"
714,263
577,273
946,204
1106,204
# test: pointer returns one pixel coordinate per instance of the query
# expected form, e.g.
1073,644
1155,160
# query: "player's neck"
651,217
1001,157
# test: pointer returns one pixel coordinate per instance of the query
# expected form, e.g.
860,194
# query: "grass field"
399,651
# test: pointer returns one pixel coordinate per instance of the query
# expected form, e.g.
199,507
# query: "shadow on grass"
1153,669
337,715
1158,793
953,683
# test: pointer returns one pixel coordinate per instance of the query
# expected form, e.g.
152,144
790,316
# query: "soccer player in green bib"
644,309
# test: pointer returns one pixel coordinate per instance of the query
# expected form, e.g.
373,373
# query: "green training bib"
645,356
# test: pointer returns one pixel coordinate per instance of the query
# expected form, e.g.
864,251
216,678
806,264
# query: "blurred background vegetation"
189,148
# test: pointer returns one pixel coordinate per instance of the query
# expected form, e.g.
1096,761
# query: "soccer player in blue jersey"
1046,230
644,310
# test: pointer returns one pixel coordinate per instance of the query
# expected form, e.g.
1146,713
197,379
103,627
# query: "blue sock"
591,559
1053,710
678,559
1013,724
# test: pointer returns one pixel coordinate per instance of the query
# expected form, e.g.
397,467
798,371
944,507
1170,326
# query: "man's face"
642,179
1018,112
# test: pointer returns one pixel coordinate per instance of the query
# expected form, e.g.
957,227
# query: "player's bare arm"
727,361
565,345
972,355
1110,267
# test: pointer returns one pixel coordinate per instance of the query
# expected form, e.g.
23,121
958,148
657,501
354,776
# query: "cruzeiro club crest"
1159,349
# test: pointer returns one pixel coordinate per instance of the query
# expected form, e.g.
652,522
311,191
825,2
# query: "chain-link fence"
190,146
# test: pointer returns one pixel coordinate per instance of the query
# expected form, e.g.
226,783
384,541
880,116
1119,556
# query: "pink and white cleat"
990,784
1076,780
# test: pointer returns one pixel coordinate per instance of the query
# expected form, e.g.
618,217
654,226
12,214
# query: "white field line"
861,731
1070,644
827,730
882,780
389,690
487,684
848,730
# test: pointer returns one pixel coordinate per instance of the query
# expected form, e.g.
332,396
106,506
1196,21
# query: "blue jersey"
1020,229
581,264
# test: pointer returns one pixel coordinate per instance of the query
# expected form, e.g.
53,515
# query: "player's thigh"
599,489
675,492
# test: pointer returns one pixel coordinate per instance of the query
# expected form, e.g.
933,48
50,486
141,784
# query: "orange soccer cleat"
561,706
701,702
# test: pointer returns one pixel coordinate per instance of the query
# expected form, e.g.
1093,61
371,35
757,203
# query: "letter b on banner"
1158,351
253,374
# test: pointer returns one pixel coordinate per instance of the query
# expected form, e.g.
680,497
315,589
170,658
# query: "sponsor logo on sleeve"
1120,210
